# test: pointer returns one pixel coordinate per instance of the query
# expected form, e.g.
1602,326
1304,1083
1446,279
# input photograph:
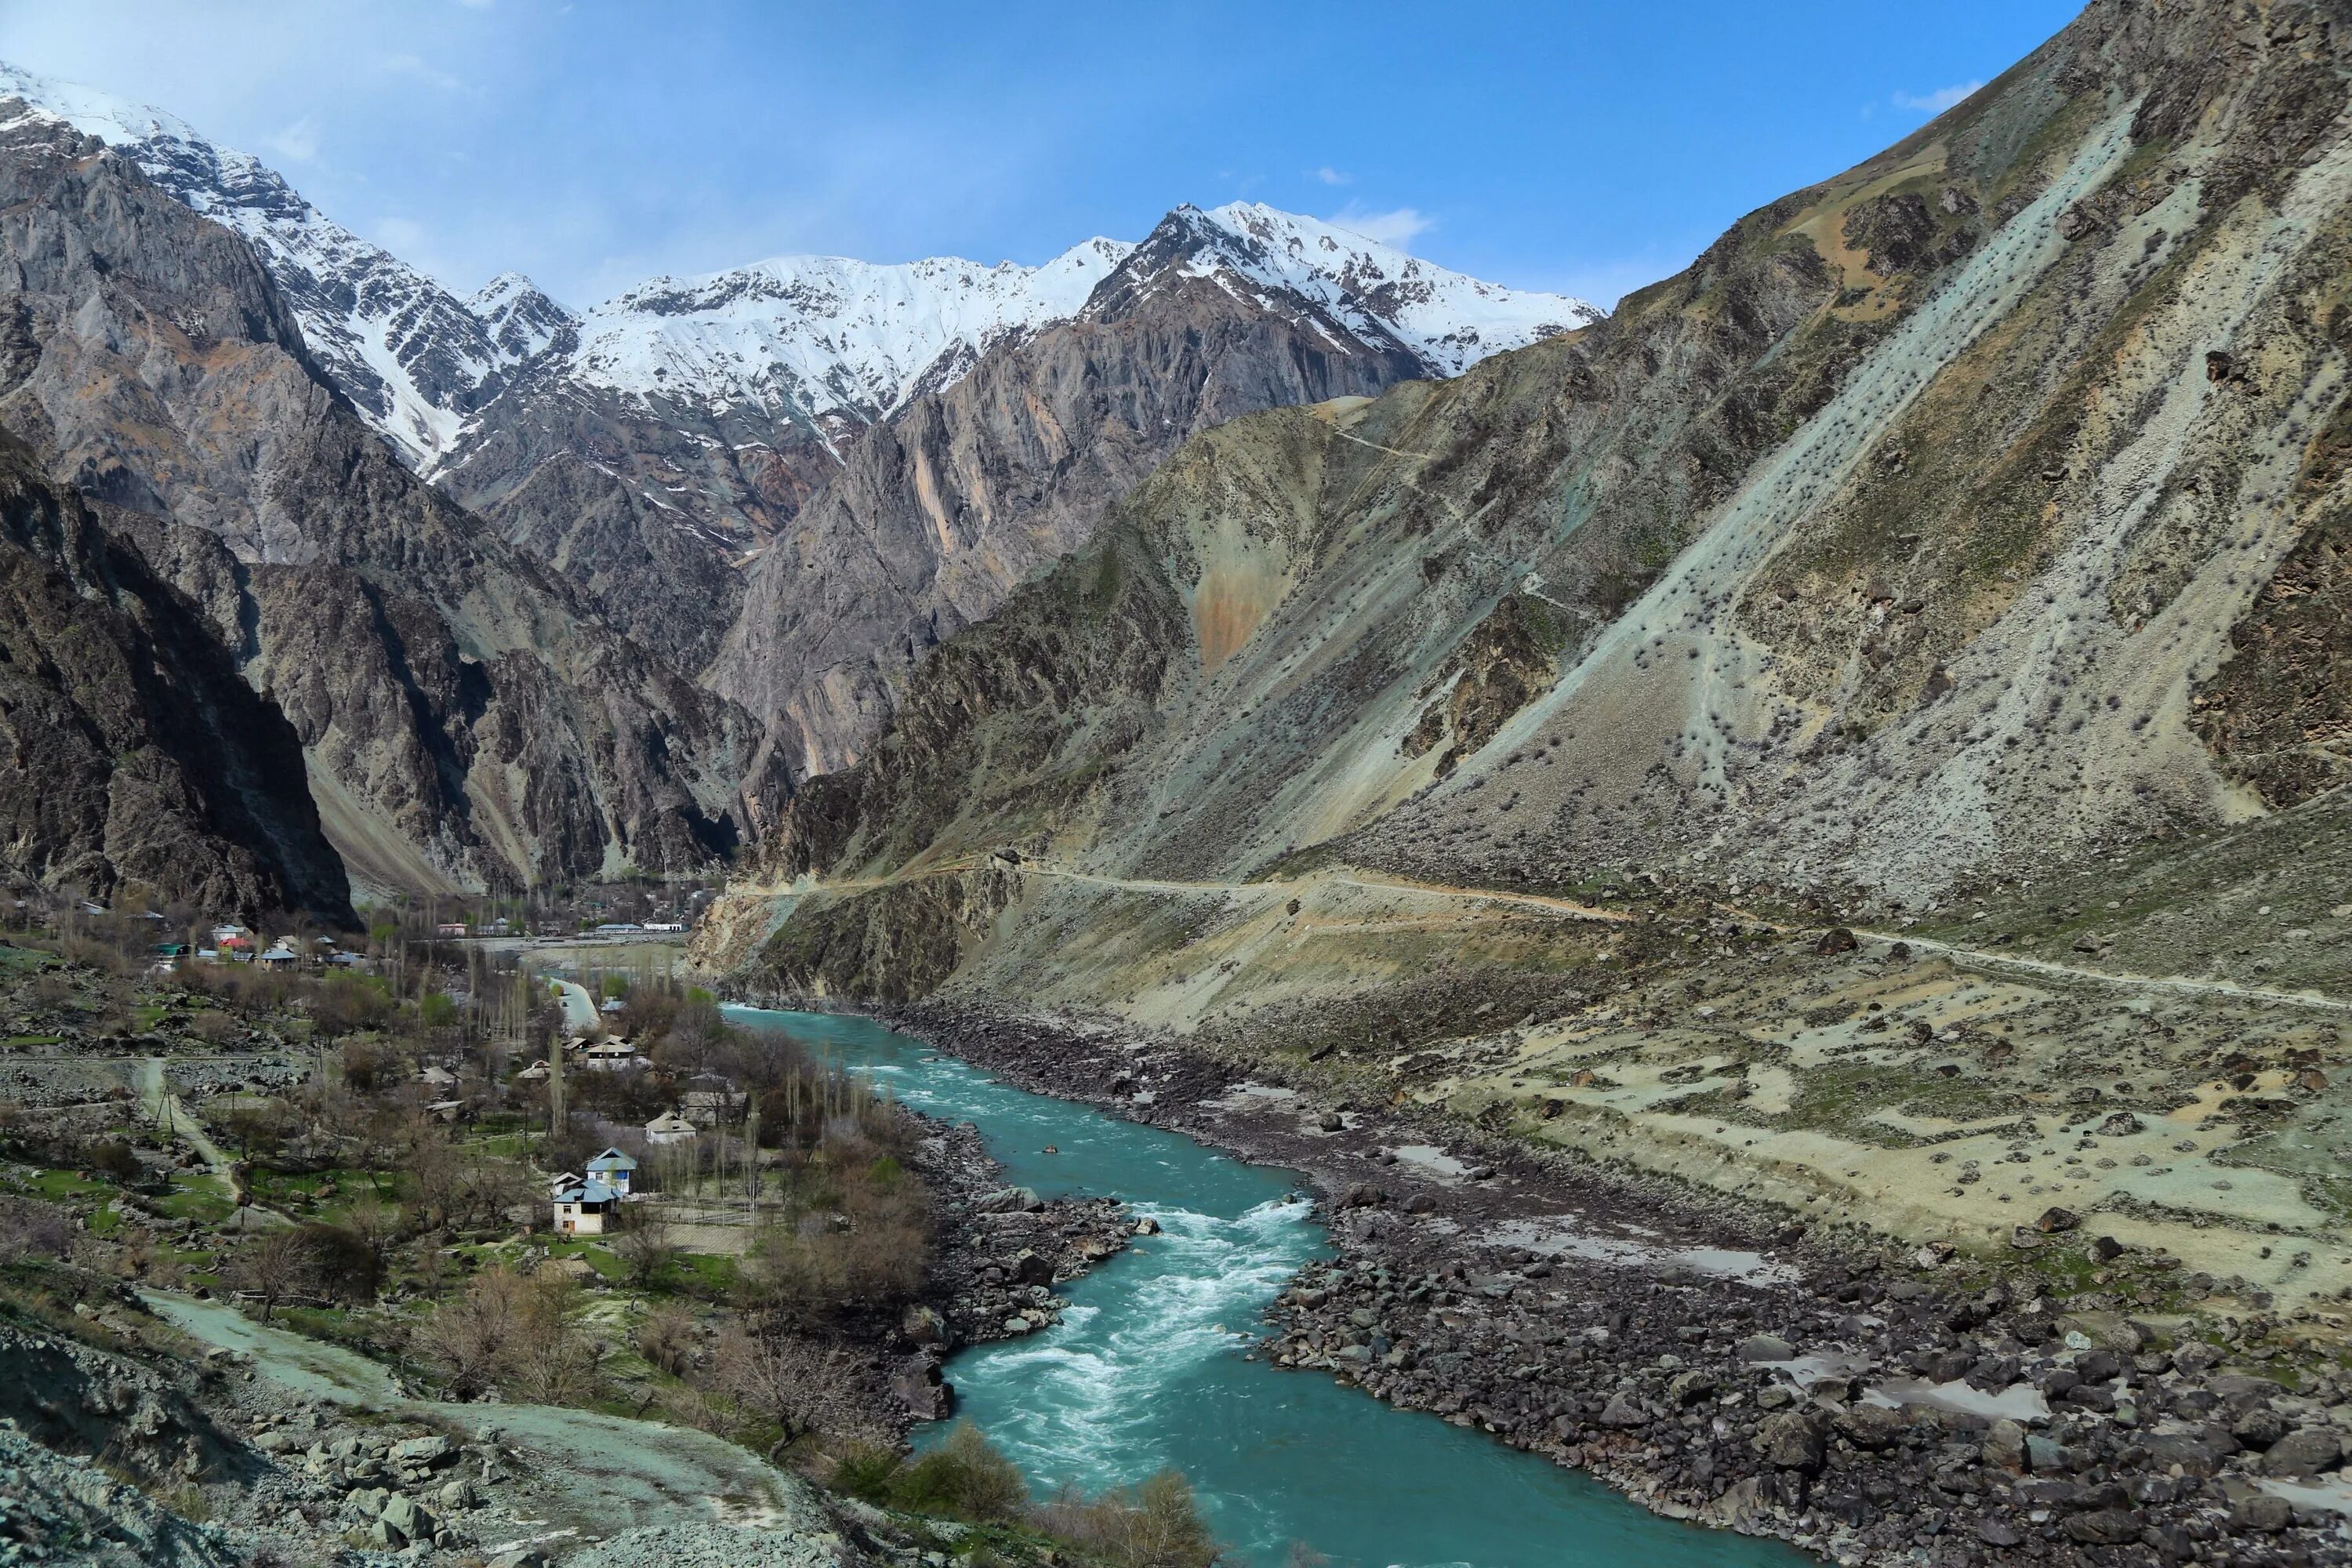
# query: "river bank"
1716,1365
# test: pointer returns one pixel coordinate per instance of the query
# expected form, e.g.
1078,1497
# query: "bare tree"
645,1245
512,1331
275,1264
800,1383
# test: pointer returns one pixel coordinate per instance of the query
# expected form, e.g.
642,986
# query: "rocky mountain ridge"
465,718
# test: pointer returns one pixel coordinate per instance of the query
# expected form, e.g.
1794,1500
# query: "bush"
511,1332
113,1157
31,1228
967,1478
1155,1525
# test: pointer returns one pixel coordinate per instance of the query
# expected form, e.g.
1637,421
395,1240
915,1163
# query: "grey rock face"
471,718
938,513
134,753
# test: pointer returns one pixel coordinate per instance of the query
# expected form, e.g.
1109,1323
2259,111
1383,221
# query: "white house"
614,1169
437,1078
669,1127
612,1055
579,1210
537,1072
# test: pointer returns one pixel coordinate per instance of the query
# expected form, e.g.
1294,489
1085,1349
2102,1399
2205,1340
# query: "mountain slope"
134,754
727,410
465,719
644,448
1949,551
938,512
410,356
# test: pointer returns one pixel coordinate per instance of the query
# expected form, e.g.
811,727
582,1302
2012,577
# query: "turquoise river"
1149,1368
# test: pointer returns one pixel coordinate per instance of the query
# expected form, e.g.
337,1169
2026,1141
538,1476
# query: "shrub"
511,1332
113,1157
967,1477
31,1228
1157,1524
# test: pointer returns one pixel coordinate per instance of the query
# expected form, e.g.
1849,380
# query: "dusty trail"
1570,909
2179,984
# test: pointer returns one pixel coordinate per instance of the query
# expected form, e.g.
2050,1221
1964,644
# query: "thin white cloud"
403,236
1332,176
405,64
1935,102
297,141
1398,227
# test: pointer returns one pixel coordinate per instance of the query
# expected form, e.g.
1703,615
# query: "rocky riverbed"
1001,1251
1718,1363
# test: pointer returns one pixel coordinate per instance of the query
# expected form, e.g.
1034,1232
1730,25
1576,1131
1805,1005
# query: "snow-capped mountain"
825,335
412,356
825,343
1450,321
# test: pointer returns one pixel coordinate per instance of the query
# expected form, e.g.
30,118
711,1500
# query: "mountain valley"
1776,858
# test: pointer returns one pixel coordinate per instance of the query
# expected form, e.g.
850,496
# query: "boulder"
2263,1513
1690,1387
1032,1268
2306,1451
1834,941
418,1452
1870,1426
2004,1446
1623,1412
1793,1440
2198,1451
2104,1526
2259,1427
1009,1200
409,1516
1765,1348
2055,1220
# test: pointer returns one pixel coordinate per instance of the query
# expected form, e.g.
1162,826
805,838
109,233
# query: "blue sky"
1584,147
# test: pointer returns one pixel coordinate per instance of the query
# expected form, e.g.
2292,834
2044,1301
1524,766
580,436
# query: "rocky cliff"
938,512
466,716
136,755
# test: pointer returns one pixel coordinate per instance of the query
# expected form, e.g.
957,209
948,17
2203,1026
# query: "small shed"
537,1072
669,1127
437,1078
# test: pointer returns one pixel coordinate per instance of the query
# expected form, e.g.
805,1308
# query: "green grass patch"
204,1204
62,1184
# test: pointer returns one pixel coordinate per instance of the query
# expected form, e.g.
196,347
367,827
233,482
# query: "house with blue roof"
614,1169
581,1209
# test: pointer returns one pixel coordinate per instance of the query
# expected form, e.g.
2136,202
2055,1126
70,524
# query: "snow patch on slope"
824,333
410,355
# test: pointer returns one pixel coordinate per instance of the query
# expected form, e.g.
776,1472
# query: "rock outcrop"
468,717
135,753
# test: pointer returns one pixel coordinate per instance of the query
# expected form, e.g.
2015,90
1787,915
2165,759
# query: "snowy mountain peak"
520,316
409,354
1451,321
113,120
805,338
825,335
